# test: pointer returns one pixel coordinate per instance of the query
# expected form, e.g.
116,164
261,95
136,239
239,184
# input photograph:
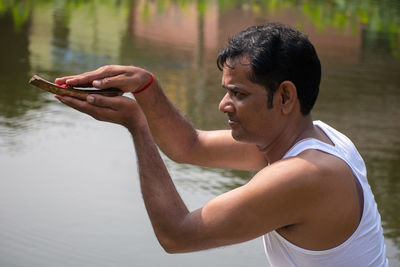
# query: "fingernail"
90,99
96,83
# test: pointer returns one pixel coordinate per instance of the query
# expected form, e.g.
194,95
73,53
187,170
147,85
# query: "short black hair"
277,53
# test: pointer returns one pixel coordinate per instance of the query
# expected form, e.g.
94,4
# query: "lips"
233,121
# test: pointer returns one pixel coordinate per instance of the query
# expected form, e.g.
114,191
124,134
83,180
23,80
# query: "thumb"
103,101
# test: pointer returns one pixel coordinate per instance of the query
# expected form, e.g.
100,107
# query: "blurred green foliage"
382,15
21,9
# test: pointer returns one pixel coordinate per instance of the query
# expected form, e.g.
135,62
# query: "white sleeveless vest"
365,247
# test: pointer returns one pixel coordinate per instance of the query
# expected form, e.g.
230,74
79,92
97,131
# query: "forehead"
236,75
238,69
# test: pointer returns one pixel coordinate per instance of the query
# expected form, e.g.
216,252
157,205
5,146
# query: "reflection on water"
358,43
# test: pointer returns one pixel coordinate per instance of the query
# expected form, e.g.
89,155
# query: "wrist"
146,86
136,124
141,133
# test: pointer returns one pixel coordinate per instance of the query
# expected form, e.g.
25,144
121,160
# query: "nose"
226,105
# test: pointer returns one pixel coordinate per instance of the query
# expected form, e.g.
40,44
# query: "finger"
89,77
62,80
75,80
99,74
98,113
131,82
121,81
75,103
107,102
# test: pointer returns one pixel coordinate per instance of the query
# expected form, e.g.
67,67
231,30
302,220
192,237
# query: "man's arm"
314,193
274,198
173,133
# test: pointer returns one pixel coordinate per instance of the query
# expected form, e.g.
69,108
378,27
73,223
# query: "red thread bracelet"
147,86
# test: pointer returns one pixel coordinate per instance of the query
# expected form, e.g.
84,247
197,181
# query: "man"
310,199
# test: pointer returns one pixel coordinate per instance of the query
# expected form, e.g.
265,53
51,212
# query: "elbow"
181,157
187,153
170,250
175,153
170,245
176,241
175,157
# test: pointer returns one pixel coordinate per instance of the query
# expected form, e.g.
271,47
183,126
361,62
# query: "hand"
126,78
119,109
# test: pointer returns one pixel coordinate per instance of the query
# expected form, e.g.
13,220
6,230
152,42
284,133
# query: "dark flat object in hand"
77,92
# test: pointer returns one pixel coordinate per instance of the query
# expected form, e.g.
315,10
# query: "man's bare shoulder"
310,166
327,167
323,188
313,179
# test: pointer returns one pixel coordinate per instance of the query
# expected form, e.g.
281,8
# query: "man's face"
245,103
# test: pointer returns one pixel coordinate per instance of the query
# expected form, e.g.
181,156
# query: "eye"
238,94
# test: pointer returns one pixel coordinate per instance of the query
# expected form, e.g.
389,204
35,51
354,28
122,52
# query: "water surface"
69,192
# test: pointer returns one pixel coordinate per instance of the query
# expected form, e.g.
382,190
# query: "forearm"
173,133
163,203
180,141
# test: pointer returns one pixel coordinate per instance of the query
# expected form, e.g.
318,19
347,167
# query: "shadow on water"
358,43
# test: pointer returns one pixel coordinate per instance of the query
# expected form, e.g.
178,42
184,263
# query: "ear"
287,95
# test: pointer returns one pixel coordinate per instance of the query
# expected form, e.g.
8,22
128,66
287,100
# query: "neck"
290,134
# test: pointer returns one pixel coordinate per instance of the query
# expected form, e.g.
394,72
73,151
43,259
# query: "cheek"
260,119
255,111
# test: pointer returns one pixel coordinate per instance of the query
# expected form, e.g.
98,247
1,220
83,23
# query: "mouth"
232,121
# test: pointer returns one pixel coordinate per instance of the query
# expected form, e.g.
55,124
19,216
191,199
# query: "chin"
241,137
235,135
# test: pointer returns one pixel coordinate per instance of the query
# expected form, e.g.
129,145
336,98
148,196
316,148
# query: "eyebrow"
230,88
